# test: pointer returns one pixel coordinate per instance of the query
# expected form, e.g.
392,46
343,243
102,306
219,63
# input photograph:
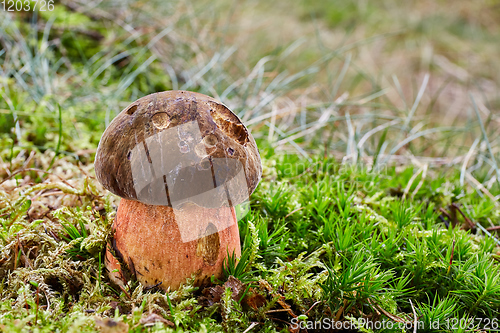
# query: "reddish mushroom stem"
148,240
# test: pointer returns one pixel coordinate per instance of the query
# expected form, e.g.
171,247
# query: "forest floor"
377,128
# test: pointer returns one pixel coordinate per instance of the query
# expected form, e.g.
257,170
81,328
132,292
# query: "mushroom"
181,162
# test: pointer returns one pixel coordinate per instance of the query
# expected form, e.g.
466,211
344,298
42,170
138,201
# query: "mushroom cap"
173,147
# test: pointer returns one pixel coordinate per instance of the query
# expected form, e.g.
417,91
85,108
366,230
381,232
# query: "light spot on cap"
210,140
161,120
183,147
200,150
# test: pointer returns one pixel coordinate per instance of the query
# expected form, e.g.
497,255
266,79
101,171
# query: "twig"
415,318
442,210
22,251
294,211
277,319
276,310
316,303
471,224
252,325
388,314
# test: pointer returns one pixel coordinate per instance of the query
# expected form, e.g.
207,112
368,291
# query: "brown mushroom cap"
180,138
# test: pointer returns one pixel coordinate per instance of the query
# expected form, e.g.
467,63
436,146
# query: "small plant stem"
37,303
451,257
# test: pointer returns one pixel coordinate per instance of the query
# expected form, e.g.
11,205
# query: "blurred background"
350,79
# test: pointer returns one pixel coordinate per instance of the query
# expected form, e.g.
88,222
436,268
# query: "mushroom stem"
151,242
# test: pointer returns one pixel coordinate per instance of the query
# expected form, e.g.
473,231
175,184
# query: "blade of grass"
59,140
485,137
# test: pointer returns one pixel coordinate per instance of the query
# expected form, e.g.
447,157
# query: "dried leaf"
254,300
213,295
237,287
152,318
